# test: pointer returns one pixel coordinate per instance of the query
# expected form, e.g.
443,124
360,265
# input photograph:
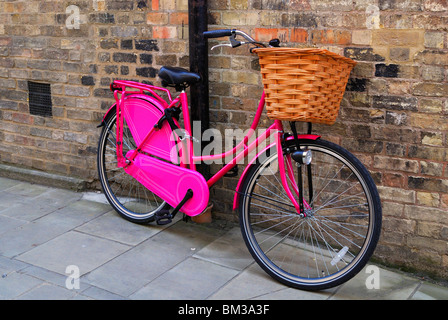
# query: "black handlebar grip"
217,33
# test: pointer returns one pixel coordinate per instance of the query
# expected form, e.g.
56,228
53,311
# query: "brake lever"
233,43
229,45
222,45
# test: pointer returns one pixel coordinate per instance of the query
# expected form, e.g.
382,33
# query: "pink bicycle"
309,211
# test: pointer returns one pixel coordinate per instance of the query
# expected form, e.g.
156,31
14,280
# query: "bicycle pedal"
163,217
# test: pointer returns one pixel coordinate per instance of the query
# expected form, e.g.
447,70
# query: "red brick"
299,35
179,18
5,41
331,36
267,34
157,18
155,5
22,118
164,32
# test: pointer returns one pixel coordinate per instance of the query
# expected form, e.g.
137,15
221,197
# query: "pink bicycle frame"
239,152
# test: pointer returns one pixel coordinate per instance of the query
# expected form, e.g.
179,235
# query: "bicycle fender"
103,121
236,199
138,96
141,113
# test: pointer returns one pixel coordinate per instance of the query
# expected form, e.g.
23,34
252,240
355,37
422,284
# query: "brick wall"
78,47
394,114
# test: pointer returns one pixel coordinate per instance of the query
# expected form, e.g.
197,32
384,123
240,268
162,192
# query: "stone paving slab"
150,259
393,286
110,226
192,279
229,250
73,248
27,236
429,291
32,208
43,230
15,285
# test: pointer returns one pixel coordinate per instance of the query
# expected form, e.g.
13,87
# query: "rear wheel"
341,226
128,197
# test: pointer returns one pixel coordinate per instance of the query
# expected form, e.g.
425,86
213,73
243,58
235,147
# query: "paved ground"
49,235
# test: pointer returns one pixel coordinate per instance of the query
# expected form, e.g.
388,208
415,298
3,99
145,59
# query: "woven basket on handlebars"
303,84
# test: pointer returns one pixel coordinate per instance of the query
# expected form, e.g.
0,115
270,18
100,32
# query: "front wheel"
337,235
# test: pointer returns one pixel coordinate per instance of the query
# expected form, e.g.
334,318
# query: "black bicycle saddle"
177,77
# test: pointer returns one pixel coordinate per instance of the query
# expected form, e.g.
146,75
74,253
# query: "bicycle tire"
133,201
308,252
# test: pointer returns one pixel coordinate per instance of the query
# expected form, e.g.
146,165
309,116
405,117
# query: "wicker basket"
303,84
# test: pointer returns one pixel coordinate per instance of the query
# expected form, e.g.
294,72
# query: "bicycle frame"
239,152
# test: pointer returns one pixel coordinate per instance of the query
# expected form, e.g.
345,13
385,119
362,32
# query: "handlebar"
228,33
218,33
232,33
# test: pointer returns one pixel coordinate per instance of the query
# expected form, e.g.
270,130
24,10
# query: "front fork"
299,157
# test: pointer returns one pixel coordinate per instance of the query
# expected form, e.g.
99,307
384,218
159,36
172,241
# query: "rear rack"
121,85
